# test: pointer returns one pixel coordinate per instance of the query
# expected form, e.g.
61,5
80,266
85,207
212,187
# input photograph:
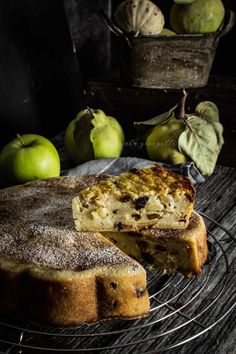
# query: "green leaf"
208,110
199,142
219,133
144,127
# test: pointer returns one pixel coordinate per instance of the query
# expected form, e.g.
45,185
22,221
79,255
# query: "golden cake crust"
51,273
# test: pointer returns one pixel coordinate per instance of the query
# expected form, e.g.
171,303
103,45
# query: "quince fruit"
167,32
201,16
162,142
93,135
183,1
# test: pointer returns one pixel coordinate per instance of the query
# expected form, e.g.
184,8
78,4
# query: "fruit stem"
181,113
20,138
90,111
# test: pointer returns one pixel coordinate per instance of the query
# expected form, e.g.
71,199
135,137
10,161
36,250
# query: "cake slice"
151,198
173,251
51,273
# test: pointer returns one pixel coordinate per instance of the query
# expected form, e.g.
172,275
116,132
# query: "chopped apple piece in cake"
150,198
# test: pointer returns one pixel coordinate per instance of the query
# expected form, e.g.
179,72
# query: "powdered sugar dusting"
36,227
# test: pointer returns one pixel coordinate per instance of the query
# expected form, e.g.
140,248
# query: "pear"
162,142
93,135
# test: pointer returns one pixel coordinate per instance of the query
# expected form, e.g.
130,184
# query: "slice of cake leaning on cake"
149,215
151,198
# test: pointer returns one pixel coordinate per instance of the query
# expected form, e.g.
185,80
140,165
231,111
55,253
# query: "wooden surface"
216,288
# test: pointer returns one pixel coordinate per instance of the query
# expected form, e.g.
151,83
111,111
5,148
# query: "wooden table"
213,294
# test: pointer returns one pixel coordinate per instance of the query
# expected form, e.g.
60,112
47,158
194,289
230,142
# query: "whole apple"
26,158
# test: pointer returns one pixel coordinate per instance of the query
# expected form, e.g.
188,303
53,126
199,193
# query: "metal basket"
168,62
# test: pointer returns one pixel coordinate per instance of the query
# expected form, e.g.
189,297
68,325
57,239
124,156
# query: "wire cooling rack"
182,309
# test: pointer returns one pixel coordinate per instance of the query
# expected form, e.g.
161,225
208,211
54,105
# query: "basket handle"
112,27
230,23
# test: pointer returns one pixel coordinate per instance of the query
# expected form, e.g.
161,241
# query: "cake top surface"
147,181
37,228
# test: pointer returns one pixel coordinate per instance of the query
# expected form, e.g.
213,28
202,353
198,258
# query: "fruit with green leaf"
176,137
93,135
200,16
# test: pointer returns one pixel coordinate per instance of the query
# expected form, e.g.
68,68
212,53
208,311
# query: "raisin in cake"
173,251
51,273
149,198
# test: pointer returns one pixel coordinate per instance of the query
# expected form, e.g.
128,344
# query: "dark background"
51,51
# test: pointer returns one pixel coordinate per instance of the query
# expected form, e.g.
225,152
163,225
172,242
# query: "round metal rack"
179,305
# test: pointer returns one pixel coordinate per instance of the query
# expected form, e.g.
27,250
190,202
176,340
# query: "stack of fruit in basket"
144,17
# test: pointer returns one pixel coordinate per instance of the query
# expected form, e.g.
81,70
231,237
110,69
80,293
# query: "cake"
51,273
173,251
151,198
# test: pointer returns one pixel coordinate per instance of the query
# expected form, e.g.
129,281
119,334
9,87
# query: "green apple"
201,16
26,158
93,135
162,142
